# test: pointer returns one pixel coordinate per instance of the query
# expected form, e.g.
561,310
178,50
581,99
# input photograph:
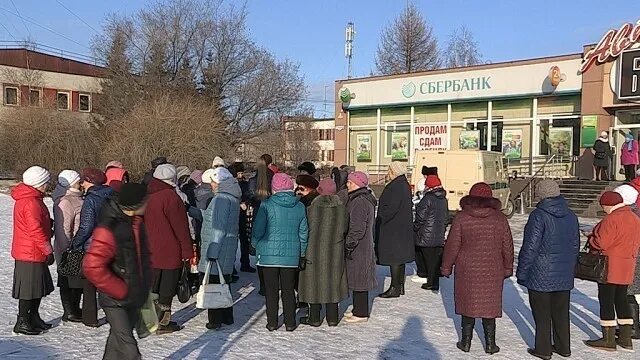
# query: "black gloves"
302,264
348,253
50,259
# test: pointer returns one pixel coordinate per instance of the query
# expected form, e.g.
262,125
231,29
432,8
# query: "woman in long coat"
324,278
480,246
602,156
394,228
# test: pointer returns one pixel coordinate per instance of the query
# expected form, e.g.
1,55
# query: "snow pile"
419,325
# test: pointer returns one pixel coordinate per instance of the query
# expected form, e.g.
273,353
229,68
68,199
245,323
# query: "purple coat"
629,157
480,246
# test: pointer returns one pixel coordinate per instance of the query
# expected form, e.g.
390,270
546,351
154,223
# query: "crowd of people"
315,240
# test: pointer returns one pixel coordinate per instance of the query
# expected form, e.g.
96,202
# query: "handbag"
71,262
592,267
148,320
213,296
184,288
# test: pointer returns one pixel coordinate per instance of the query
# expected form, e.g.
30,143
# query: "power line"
24,18
78,17
23,23
8,32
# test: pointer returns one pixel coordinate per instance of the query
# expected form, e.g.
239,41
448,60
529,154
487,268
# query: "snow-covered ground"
419,325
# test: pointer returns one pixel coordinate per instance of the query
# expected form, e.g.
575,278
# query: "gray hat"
547,188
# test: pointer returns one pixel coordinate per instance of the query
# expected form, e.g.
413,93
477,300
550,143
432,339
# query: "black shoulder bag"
592,266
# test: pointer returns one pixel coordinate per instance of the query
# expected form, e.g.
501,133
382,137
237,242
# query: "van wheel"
510,209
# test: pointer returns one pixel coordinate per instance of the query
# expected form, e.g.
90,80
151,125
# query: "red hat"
327,187
432,181
610,198
359,178
481,190
94,176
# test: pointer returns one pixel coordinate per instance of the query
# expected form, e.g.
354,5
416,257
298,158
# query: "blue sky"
311,32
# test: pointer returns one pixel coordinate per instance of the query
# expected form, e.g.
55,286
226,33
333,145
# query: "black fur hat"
426,171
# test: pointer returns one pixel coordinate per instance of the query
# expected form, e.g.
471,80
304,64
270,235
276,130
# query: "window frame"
4,94
39,91
90,102
68,93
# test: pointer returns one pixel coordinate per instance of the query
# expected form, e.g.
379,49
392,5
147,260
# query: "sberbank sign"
447,86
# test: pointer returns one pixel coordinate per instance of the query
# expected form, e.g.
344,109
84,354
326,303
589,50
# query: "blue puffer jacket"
550,247
219,232
280,231
93,201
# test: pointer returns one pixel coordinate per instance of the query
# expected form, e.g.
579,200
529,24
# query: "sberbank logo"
346,95
408,90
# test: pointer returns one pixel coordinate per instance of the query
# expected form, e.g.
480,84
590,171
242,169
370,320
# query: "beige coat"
66,215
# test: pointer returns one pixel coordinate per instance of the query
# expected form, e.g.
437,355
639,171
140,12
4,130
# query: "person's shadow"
448,301
411,342
519,313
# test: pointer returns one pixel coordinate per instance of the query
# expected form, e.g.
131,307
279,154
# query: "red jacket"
96,265
31,225
167,227
636,185
617,237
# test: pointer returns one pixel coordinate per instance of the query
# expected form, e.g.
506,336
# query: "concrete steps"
583,195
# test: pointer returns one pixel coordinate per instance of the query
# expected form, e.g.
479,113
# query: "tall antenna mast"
348,46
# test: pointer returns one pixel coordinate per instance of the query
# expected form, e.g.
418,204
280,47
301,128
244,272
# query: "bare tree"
300,143
407,45
462,49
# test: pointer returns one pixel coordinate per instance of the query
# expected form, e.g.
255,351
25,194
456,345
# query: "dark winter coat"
480,246
94,199
308,199
602,154
547,258
167,227
394,224
324,279
280,231
31,225
359,246
430,222
117,261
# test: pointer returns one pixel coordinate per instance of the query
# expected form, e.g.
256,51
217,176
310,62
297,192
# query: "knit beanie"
308,167
218,161
132,196
610,198
216,175
237,167
182,171
66,178
628,193
432,181
426,171
481,190
399,168
36,176
166,173
547,188
114,164
196,176
359,178
158,161
327,187
281,182
94,176
307,181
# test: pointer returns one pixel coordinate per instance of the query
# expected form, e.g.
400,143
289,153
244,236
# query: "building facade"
34,79
309,139
531,110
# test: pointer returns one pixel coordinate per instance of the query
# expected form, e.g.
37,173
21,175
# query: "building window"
62,100
34,98
332,135
330,155
11,95
85,103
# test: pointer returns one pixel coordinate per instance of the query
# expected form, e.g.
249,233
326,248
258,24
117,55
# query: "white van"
460,169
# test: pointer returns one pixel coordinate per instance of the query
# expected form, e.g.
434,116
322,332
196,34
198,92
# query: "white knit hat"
218,161
166,173
67,178
216,175
36,176
629,194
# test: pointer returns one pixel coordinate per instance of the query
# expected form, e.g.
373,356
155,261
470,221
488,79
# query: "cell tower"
348,46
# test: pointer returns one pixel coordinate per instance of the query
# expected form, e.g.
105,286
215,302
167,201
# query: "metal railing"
528,186
378,173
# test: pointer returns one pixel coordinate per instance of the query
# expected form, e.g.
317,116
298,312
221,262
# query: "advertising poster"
363,150
400,145
561,141
512,143
470,139
589,133
431,137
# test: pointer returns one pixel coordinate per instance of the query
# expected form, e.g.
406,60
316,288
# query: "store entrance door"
626,122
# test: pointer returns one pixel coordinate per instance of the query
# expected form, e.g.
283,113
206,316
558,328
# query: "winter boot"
313,316
608,340
23,326
635,334
165,325
37,322
67,298
489,326
624,340
467,334
397,285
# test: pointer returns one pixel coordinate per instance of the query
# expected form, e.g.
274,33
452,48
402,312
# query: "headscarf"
604,137
629,141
